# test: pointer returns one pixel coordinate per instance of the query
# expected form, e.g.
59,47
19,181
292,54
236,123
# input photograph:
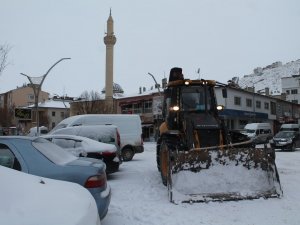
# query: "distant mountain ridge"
270,76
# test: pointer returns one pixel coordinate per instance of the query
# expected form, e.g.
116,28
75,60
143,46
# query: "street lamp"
253,88
156,84
36,84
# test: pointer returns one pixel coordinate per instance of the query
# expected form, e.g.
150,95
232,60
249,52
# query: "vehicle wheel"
158,154
127,154
164,162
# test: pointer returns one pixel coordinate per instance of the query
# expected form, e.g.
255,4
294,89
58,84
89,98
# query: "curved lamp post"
156,84
36,84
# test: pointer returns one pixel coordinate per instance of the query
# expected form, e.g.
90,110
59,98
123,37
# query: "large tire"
158,154
127,154
164,162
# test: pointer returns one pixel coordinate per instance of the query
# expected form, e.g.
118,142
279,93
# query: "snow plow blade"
219,174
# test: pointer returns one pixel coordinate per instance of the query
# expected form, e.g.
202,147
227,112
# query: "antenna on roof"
198,71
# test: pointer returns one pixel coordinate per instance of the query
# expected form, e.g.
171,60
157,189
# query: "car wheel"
127,154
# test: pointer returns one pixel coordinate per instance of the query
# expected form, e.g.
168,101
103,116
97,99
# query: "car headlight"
289,141
271,141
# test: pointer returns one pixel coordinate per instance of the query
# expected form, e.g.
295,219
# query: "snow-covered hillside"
270,76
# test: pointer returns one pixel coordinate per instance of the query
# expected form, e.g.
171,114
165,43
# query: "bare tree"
4,50
89,103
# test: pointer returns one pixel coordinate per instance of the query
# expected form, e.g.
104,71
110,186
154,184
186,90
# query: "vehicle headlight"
271,141
289,141
175,108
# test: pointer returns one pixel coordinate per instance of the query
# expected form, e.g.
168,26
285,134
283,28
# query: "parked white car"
86,147
33,131
44,201
129,126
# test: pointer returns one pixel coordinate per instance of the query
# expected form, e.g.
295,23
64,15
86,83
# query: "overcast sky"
224,38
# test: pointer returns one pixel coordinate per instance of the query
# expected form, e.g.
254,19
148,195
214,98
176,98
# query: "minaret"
109,41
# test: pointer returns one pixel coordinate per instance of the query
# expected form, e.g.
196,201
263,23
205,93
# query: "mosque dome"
116,89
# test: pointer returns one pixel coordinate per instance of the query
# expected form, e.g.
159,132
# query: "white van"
259,132
129,126
289,127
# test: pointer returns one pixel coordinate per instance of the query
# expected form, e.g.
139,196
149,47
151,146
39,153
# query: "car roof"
19,137
75,137
90,141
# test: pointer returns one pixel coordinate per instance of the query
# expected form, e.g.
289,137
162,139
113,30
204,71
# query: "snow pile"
30,200
224,177
140,198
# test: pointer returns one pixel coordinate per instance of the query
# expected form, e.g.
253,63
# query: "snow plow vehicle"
198,158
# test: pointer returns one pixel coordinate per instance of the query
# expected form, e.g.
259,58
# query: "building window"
53,125
266,105
237,100
148,106
287,92
30,97
53,113
126,109
137,108
62,114
273,108
295,101
249,102
294,91
258,104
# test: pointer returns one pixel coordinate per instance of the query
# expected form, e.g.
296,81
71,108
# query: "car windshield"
250,131
285,135
53,152
194,99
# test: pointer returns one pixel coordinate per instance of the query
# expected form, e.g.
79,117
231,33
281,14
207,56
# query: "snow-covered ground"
138,197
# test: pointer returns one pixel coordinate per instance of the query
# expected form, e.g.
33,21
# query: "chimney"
267,91
140,90
144,89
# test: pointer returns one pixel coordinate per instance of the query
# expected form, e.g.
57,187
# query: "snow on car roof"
44,201
92,143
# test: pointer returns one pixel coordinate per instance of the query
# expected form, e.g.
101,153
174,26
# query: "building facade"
18,98
52,111
240,107
291,88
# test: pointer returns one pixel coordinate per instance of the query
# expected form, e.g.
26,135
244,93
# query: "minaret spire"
109,41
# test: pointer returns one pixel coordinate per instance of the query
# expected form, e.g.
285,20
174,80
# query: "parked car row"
38,156
129,127
81,150
287,139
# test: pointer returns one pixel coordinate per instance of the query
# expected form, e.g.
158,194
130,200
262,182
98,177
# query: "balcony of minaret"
110,39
